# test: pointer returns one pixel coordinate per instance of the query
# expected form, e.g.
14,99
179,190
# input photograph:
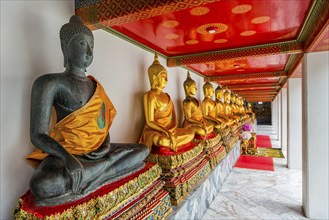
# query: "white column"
275,117
294,152
284,119
278,130
315,135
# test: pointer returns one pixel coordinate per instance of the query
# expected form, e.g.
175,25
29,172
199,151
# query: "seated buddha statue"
220,110
228,111
76,154
242,109
209,107
194,119
161,125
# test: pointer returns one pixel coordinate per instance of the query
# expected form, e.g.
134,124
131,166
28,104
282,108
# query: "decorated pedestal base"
213,148
129,197
181,170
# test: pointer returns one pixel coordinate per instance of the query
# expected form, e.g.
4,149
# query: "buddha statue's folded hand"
99,153
75,169
172,136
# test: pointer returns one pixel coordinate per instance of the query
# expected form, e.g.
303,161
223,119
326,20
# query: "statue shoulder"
47,83
48,80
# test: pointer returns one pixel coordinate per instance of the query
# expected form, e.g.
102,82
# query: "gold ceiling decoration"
220,28
170,23
260,20
325,47
220,41
241,9
192,42
198,11
172,36
247,33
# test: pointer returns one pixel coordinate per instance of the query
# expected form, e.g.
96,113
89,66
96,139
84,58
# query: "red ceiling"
257,44
251,81
269,63
183,32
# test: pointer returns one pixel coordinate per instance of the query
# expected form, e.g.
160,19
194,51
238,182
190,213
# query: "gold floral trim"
178,193
136,208
208,143
101,206
169,162
217,157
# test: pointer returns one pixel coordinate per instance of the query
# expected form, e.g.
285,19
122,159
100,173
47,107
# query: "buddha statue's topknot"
188,82
219,88
155,68
75,26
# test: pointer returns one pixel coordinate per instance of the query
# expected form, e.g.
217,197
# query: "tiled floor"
252,194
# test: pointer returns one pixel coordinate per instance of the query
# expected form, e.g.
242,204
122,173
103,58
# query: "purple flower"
246,127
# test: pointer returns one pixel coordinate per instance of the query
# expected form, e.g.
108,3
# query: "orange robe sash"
84,130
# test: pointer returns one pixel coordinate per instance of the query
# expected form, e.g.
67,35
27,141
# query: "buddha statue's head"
208,90
219,92
227,96
157,74
77,43
190,86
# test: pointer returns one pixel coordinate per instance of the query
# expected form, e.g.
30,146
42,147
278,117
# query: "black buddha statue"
76,154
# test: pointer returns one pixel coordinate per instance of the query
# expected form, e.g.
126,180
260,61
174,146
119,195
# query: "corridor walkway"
253,194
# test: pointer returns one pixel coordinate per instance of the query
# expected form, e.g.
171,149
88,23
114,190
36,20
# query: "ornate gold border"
103,205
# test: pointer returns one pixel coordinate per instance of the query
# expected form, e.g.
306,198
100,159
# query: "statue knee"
163,142
44,186
142,151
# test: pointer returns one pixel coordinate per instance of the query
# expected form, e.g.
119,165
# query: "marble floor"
253,194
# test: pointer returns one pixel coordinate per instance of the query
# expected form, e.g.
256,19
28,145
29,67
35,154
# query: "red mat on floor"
263,141
255,162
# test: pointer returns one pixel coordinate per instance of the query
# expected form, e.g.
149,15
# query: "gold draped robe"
196,114
84,130
167,119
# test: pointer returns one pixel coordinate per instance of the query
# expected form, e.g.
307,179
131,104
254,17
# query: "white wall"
315,135
30,47
294,152
284,119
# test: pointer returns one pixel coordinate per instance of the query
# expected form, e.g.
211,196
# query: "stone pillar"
315,135
294,152
284,119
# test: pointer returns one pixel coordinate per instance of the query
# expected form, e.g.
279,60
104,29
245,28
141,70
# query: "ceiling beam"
315,21
287,47
245,76
116,12
248,92
254,86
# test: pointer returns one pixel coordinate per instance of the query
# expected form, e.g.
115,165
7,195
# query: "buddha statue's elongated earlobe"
66,61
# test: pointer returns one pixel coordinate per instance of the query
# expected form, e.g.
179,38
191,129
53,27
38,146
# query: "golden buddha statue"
234,101
194,119
161,124
228,111
209,107
220,110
